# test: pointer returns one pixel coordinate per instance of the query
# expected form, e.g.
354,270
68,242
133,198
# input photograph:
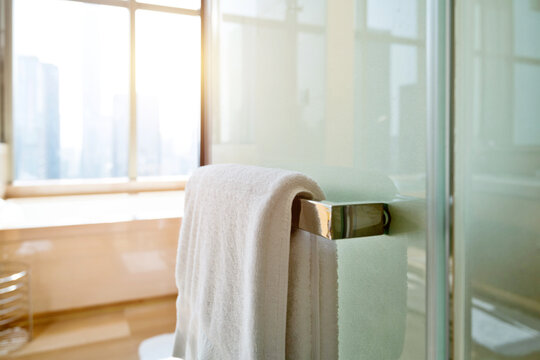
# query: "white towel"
235,297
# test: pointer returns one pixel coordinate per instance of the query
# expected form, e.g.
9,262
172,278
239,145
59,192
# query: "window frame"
131,183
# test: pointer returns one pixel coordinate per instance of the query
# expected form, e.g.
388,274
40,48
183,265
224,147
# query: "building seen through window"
71,91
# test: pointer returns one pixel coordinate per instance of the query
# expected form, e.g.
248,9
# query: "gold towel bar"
340,220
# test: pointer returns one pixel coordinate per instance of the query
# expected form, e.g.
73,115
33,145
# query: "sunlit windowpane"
262,9
168,63
187,4
70,90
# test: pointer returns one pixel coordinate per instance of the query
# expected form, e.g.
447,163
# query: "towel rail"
336,221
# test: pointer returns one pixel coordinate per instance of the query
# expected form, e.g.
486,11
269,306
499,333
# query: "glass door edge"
438,58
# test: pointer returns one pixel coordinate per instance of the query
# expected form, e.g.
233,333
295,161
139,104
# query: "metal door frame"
439,171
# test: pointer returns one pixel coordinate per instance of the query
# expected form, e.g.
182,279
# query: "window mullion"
7,78
132,161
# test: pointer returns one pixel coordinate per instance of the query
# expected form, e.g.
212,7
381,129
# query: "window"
105,89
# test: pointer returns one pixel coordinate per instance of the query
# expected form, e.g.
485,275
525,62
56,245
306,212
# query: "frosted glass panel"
259,9
526,19
397,17
497,181
527,105
313,12
336,89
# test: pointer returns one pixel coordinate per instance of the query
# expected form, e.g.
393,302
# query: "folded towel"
236,299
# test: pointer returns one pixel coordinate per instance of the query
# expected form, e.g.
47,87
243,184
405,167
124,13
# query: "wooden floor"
112,332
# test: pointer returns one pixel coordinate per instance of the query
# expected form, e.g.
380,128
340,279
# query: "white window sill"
35,212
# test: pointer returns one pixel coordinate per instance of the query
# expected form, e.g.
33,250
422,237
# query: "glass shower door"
497,180
336,89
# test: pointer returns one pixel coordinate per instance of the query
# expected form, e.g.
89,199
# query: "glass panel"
336,89
497,182
313,12
402,21
260,9
70,82
168,63
186,4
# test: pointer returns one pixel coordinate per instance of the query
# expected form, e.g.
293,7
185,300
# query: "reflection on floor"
501,332
113,332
